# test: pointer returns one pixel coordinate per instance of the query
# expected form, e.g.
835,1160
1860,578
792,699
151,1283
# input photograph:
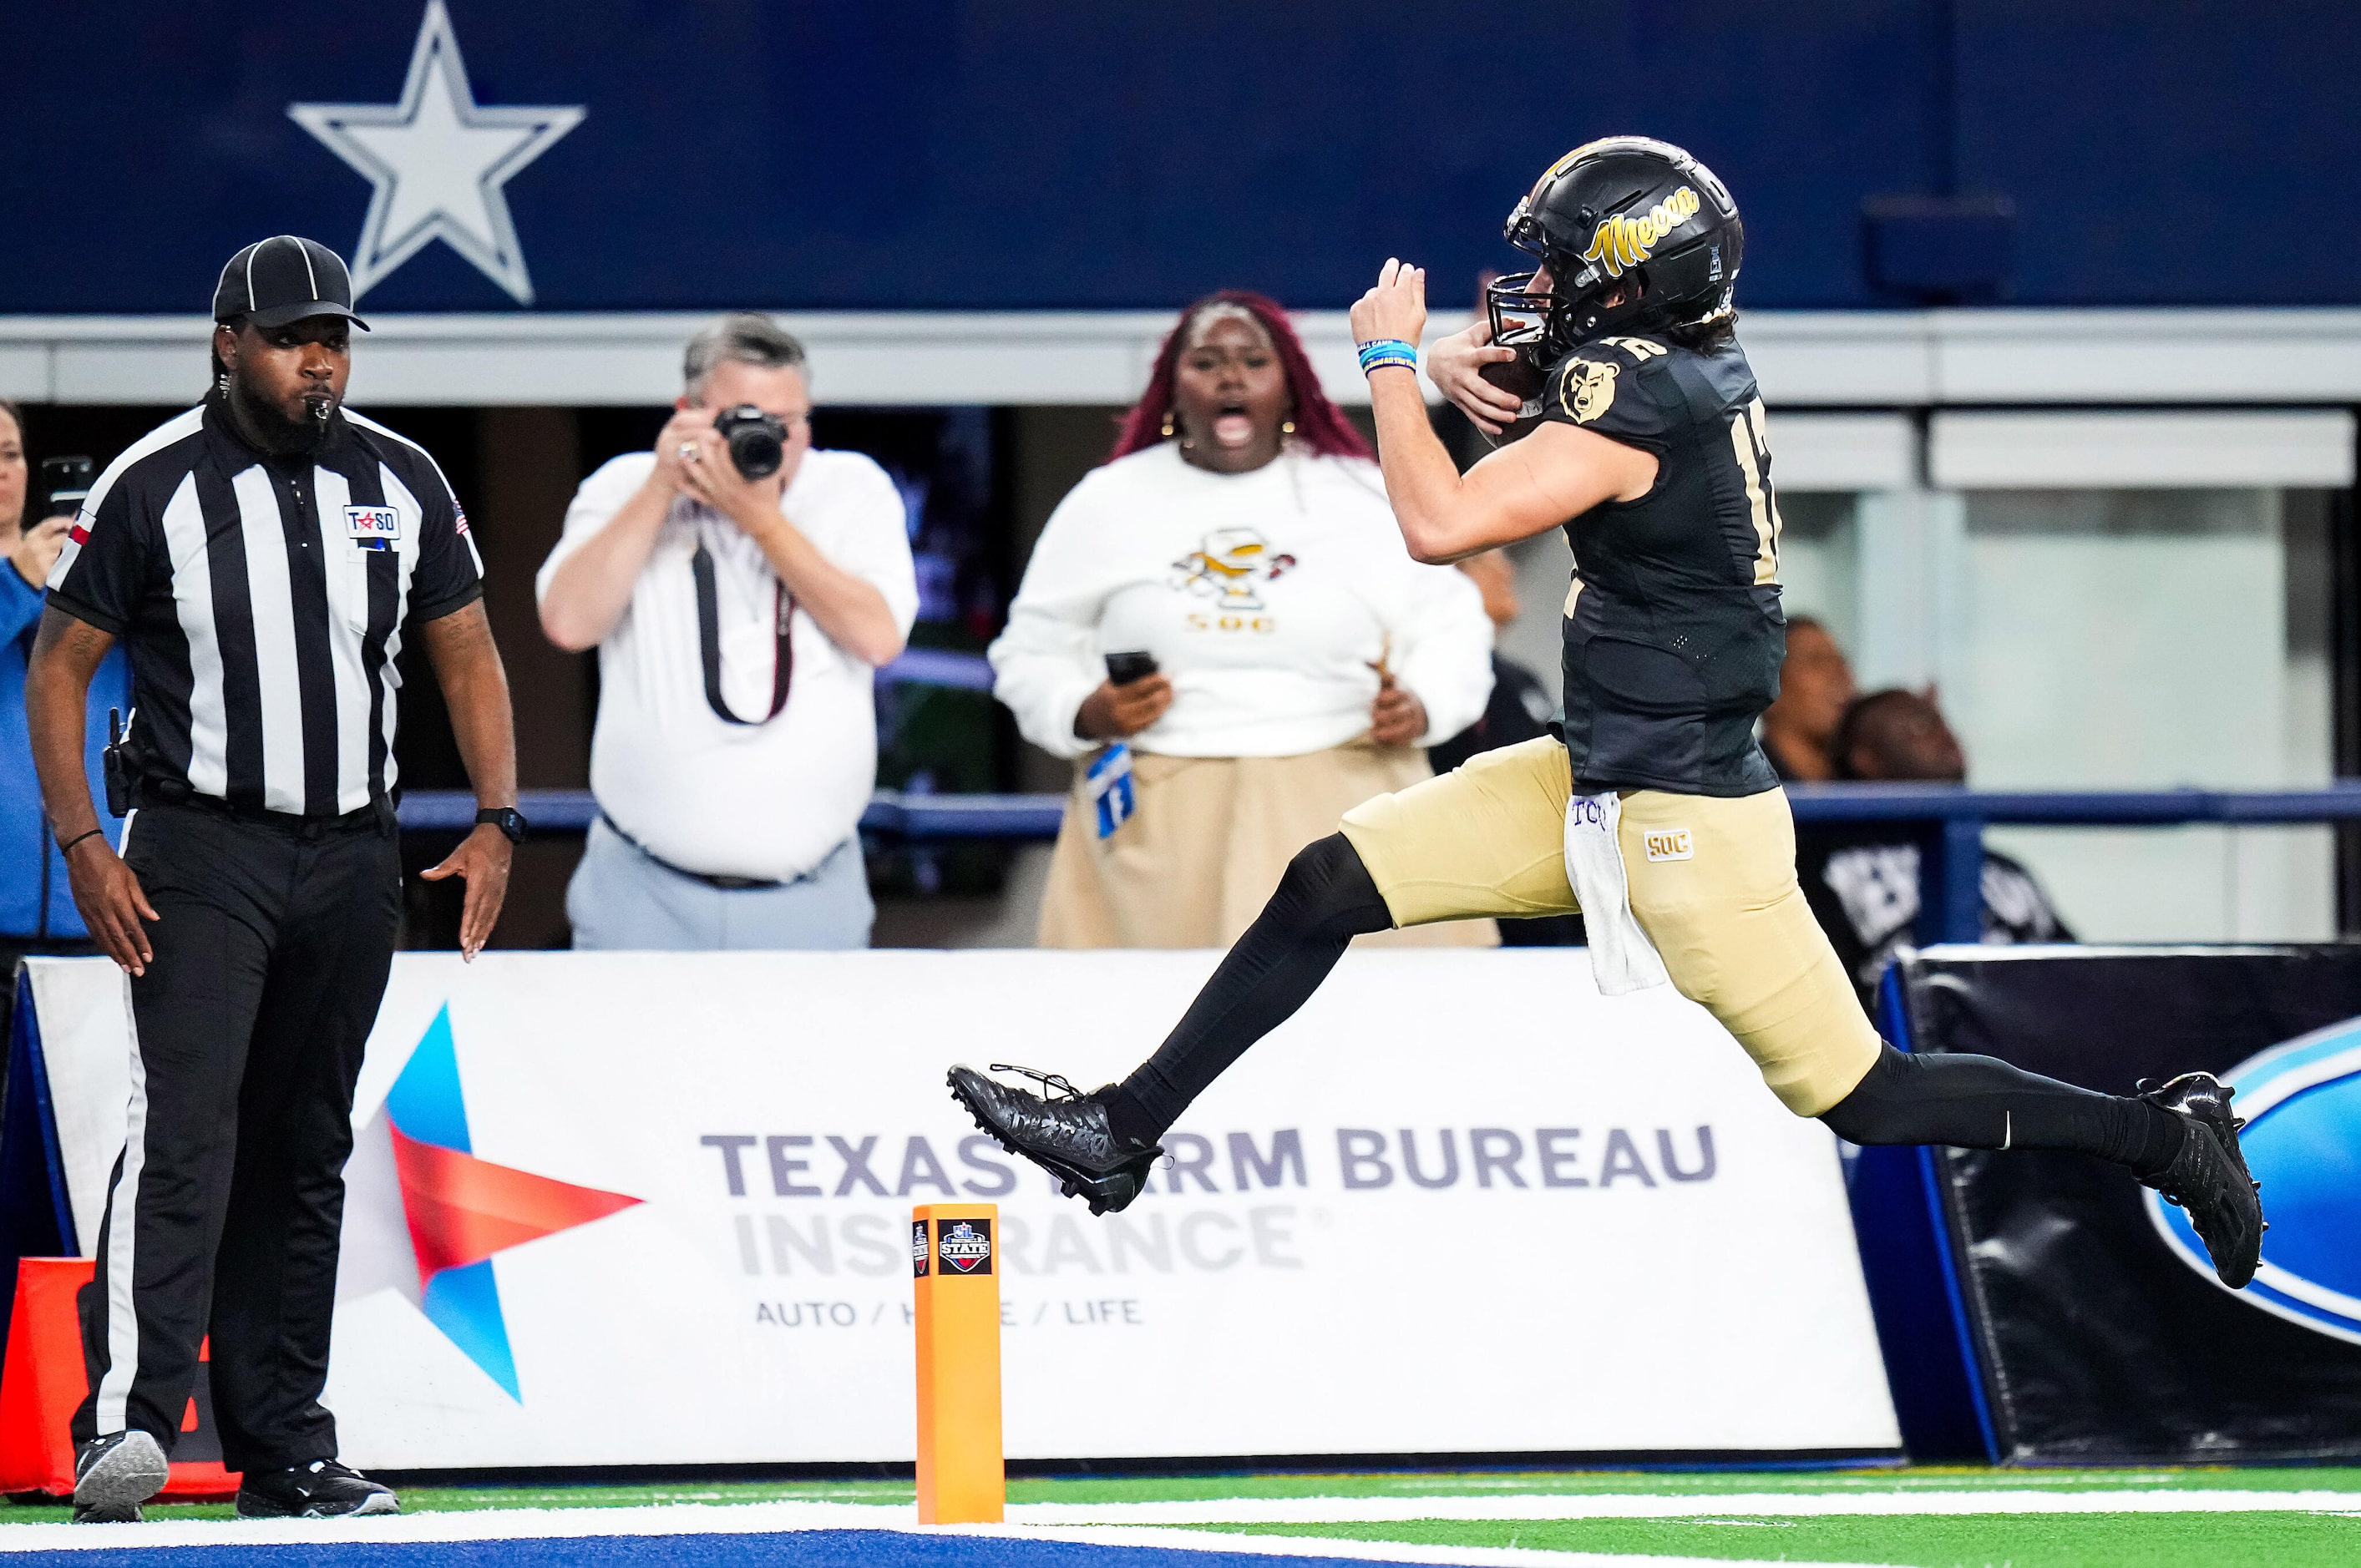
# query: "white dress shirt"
767,800
1265,597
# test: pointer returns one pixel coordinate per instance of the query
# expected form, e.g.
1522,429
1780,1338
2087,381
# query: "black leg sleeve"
1324,901
1982,1103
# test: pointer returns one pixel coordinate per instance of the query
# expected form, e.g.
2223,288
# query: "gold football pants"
1729,921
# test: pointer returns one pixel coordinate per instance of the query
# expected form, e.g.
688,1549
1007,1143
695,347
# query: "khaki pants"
1730,921
1211,839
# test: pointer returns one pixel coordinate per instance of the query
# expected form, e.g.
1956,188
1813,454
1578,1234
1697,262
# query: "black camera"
758,442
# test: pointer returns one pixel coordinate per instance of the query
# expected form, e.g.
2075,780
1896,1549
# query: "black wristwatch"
506,819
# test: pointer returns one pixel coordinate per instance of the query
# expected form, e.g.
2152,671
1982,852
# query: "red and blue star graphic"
461,1211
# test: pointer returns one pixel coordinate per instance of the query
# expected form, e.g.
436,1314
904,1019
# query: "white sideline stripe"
1635,1505
1123,1523
765,1518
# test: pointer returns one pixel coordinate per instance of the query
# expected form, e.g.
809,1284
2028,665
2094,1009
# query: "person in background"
739,618
1520,709
1815,685
1861,880
37,908
258,899
1240,538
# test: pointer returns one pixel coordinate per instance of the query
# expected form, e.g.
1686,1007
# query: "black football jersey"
1674,635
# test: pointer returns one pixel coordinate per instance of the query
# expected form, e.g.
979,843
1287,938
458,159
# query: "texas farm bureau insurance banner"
655,1208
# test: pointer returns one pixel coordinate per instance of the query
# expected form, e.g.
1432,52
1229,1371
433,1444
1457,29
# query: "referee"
262,556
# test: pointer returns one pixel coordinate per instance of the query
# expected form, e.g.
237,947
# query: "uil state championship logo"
966,1246
458,1212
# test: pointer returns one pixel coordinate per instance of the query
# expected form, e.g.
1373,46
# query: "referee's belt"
726,884
378,815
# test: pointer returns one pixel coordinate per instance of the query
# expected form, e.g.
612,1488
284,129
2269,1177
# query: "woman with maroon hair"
1223,626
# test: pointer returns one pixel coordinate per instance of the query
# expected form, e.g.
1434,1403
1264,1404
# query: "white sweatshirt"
1265,597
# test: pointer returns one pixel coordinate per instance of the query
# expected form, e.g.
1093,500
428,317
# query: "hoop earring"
1167,424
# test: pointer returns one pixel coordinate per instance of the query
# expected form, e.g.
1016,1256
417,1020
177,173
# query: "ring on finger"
688,451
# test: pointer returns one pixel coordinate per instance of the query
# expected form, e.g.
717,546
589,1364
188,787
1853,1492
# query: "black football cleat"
2209,1177
1066,1134
323,1489
114,1473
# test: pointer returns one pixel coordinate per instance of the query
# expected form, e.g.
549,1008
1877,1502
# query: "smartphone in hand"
1127,667
65,484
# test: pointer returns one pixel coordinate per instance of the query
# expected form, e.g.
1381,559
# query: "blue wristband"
1387,351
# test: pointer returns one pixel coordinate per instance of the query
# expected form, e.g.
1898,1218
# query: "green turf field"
2314,1536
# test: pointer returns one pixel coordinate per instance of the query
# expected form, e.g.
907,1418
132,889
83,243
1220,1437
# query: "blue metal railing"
1948,822
938,667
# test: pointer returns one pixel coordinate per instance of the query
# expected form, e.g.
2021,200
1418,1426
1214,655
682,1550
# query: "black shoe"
323,1489
114,1473
2209,1177
1068,1136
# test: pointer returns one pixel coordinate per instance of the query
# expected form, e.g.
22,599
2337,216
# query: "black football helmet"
1622,210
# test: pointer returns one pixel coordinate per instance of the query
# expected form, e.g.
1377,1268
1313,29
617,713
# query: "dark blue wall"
996,154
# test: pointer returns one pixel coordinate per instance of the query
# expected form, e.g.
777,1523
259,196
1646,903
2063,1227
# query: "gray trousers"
622,898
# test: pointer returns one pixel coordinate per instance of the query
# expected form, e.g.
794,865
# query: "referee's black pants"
224,1210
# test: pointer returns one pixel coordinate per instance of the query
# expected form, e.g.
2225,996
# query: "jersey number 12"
1755,460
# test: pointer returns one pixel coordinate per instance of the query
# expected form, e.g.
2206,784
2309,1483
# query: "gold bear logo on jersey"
1621,243
1588,389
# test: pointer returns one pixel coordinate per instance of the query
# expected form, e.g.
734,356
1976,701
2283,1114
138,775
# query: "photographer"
741,588
37,908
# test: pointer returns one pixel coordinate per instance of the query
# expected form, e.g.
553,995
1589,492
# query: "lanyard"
709,641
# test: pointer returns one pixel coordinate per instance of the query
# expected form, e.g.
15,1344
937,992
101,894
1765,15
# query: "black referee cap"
284,278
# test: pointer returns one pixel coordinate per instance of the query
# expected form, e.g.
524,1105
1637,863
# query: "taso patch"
373,528
1668,844
965,1246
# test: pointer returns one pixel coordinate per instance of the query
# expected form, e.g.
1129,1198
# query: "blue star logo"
439,161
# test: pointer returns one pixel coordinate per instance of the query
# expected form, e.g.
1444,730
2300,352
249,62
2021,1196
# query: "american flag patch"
461,513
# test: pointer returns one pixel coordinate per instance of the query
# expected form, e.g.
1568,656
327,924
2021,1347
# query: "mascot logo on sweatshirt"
1228,566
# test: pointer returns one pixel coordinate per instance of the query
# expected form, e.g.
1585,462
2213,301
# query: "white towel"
1622,958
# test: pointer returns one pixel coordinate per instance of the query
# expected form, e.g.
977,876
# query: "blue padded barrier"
1948,820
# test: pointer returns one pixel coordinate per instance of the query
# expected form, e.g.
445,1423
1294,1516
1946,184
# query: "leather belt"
378,815
726,884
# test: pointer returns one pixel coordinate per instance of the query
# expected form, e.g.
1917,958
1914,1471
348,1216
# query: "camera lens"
758,442
757,452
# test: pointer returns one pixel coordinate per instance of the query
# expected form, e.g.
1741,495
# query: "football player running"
1615,365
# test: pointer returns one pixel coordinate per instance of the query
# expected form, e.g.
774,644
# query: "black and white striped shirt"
262,601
